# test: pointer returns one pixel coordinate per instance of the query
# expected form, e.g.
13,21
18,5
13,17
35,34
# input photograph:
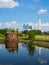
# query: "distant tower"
39,24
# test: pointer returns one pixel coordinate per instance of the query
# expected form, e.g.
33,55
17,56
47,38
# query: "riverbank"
42,38
38,43
42,44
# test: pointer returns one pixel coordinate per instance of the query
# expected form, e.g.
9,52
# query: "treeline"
30,34
25,33
3,31
36,32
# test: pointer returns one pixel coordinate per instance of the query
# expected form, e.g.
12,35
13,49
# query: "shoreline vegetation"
37,43
28,36
40,38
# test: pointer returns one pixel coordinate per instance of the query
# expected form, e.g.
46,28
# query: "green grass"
43,38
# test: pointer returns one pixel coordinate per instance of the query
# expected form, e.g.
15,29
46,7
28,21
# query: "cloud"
42,61
8,4
7,24
13,25
0,24
45,24
41,11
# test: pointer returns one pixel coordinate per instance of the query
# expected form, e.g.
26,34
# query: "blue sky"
14,13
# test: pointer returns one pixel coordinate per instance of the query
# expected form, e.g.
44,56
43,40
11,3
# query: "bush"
31,35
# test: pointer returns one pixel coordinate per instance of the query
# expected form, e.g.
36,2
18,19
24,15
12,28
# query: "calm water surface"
23,54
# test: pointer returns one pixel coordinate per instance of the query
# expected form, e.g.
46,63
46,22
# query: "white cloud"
41,11
45,24
42,61
10,24
13,25
0,24
7,24
8,4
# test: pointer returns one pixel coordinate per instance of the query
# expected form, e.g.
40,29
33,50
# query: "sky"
15,13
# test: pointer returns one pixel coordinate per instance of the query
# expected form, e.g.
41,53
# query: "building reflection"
41,60
39,49
11,46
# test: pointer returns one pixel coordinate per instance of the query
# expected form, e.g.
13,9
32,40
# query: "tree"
20,34
25,32
31,35
3,31
37,32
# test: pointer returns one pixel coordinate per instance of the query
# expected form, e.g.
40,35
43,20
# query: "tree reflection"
11,46
30,47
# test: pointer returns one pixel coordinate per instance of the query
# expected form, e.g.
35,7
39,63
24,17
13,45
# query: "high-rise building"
39,24
27,27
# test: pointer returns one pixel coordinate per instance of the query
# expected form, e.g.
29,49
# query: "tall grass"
43,38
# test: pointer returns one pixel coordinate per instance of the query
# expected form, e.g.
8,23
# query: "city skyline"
30,25
38,26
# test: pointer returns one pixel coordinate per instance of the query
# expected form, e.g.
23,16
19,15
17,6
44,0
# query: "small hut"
12,35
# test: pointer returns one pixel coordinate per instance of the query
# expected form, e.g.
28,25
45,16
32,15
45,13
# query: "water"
23,54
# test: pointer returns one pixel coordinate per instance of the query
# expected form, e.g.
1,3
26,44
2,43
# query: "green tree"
31,35
3,31
25,32
20,34
37,32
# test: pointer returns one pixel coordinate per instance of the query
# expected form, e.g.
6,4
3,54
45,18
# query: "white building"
39,24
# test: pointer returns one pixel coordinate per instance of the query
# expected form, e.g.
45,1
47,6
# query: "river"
23,54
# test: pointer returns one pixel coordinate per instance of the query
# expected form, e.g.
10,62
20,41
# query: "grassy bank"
43,38
2,38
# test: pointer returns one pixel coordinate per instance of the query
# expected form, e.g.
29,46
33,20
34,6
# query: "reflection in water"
0,46
11,46
33,55
42,61
30,47
39,49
